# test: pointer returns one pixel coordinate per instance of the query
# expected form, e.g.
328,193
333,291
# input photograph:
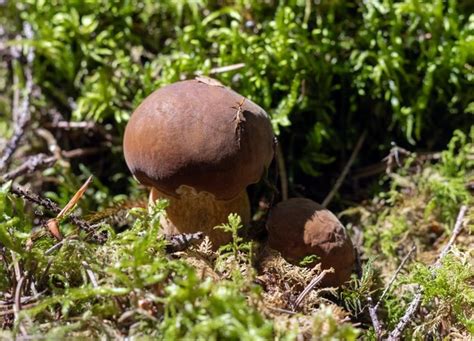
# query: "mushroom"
300,227
199,145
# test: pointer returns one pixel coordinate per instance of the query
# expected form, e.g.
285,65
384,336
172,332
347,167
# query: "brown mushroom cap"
300,227
190,133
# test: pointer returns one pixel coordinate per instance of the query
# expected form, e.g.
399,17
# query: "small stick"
280,310
315,281
90,274
45,273
373,308
394,276
23,115
38,161
222,69
180,242
16,266
380,167
413,307
226,68
394,155
30,165
51,141
33,288
17,305
55,246
24,300
35,198
456,231
375,320
53,223
282,170
209,81
18,289
79,152
86,125
12,311
50,205
343,175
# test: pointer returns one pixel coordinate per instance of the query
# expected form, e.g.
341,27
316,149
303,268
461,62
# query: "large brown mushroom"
199,144
300,227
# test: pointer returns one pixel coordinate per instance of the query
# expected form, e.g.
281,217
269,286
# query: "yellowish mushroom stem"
193,212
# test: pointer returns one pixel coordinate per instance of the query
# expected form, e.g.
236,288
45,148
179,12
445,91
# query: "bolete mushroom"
300,227
199,144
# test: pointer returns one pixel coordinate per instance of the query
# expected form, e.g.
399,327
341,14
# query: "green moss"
325,72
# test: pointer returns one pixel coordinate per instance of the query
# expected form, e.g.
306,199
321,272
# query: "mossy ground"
130,285
327,73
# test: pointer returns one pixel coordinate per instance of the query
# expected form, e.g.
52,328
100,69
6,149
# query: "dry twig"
414,305
56,246
53,207
90,274
282,311
222,69
394,157
314,282
373,308
16,266
23,300
282,172
383,166
180,242
17,305
22,117
85,125
375,320
343,175
394,276
226,68
30,165
39,161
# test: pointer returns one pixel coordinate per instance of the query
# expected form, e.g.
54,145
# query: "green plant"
447,291
87,281
326,327
325,72
237,255
317,69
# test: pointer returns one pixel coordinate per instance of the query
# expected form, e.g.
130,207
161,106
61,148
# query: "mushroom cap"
300,227
200,134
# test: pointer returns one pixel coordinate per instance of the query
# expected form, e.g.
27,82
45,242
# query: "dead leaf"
74,199
53,228
52,224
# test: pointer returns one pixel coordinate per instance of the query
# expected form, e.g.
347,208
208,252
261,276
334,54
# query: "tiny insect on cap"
200,134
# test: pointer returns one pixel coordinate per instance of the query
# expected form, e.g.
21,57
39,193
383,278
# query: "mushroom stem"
192,211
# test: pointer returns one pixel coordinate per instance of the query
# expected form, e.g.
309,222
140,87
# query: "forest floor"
109,274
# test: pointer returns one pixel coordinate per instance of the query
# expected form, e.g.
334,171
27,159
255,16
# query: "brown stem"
193,212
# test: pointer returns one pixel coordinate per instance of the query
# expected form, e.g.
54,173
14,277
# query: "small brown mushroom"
300,227
199,144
